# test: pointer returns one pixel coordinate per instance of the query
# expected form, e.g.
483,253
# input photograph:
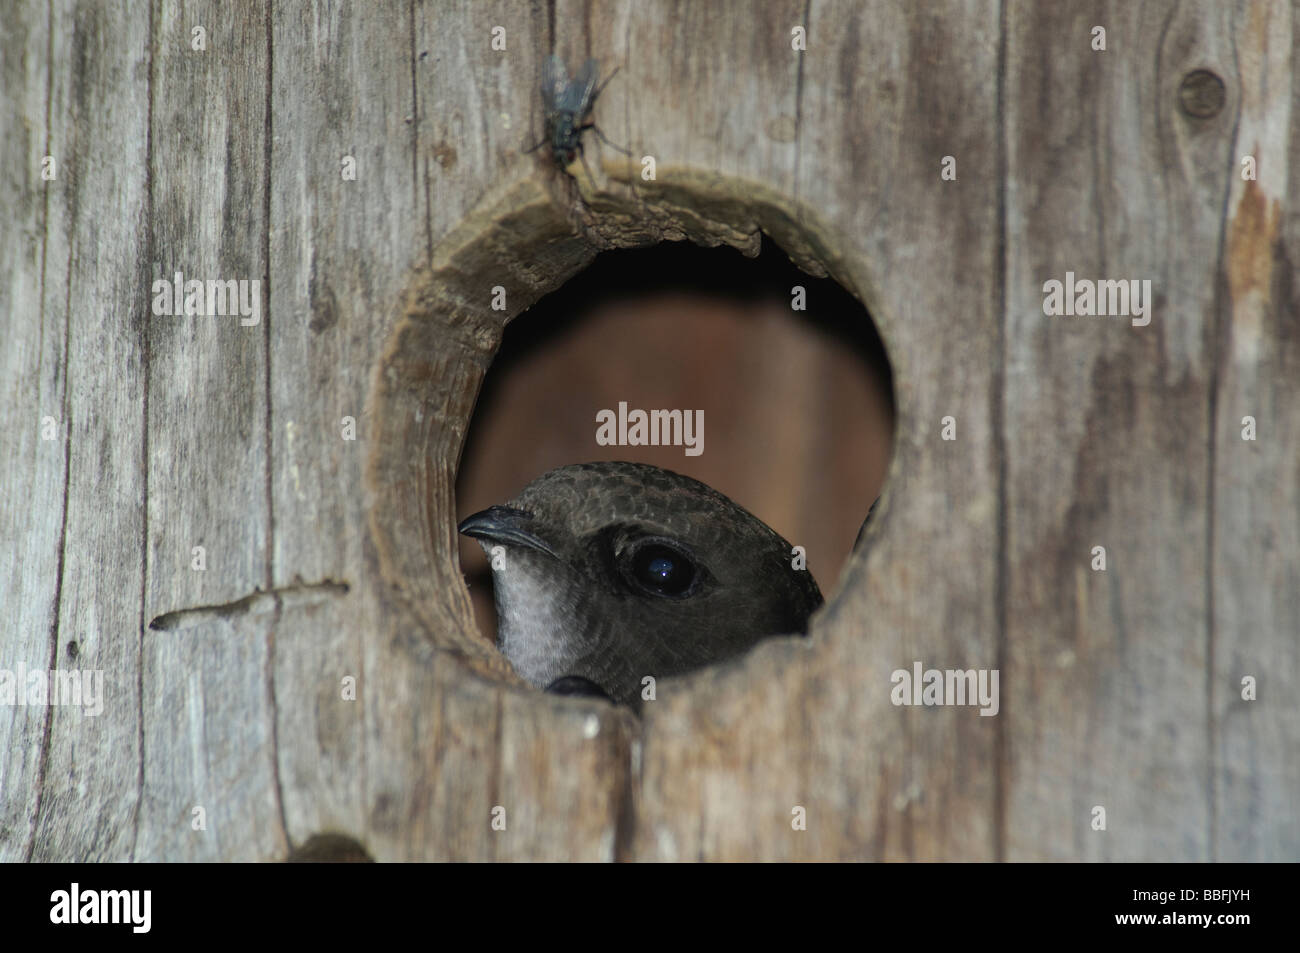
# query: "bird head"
609,572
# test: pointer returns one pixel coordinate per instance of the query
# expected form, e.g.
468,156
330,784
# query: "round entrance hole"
784,371
784,367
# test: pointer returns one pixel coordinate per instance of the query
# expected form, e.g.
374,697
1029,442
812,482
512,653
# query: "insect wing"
577,95
555,82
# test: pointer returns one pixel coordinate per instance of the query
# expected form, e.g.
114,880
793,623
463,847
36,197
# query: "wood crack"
296,596
147,364
1221,335
277,782
276,597
43,765
798,102
1002,576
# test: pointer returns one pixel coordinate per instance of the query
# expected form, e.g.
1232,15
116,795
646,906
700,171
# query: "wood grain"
1255,536
331,558
33,375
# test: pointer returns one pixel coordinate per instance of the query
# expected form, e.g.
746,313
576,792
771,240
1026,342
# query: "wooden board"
331,559
96,123
33,469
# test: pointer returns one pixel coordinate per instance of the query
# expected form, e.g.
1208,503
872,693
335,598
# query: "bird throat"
538,642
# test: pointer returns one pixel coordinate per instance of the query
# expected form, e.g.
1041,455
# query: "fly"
567,108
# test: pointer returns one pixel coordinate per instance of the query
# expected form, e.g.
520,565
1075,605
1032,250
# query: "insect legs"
567,106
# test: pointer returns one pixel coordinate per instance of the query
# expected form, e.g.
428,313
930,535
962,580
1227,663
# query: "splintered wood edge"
528,238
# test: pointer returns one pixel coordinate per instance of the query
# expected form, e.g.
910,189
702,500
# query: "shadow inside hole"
798,405
330,848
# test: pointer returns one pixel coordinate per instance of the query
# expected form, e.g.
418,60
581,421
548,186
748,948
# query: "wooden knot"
1201,94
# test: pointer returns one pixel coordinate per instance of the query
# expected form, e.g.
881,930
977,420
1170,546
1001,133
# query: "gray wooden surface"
329,558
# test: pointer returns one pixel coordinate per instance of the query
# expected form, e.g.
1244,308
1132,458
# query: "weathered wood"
330,63
1255,535
33,381
1082,646
331,558
97,113
208,450
726,762
1115,709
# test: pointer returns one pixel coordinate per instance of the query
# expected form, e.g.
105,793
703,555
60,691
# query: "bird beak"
504,524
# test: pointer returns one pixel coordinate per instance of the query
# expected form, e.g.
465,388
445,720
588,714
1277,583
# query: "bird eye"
662,570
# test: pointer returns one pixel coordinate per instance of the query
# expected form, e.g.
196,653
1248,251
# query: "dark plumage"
615,571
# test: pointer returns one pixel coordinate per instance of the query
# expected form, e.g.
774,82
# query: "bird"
606,573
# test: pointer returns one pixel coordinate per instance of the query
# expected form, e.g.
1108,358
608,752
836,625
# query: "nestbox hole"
541,312
784,370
